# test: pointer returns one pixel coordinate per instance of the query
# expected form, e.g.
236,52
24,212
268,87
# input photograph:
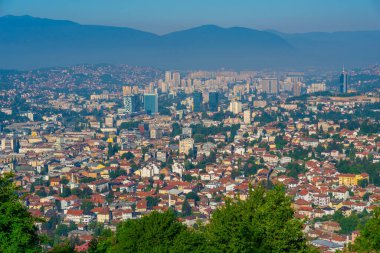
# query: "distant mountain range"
27,42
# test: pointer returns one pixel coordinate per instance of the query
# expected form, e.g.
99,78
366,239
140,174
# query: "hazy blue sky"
161,16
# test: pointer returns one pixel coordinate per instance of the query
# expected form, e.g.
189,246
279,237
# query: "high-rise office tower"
164,87
247,117
297,89
213,101
197,101
270,85
151,103
132,103
127,90
168,77
236,107
176,79
343,82
128,104
296,77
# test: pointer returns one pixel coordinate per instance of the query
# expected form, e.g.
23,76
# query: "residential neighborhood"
92,146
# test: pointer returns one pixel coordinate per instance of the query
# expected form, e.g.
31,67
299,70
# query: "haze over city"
171,15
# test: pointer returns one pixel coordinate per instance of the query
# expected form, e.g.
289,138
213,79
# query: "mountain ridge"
28,42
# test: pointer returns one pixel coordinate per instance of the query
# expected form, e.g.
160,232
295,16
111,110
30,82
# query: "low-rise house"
78,216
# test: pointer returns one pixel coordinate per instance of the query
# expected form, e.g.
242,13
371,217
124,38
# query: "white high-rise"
316,87
236,107
176,79
247,117
270,85
168,77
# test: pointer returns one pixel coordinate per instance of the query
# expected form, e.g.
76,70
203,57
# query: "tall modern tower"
270,85
247,116
132,103
128,104
151,103
213,101
343,82
127,90
296,89
168,77
197,100
176,78
236,107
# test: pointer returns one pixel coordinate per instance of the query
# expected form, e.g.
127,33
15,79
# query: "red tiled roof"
74,212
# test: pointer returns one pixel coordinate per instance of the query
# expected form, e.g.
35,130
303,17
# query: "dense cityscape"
91,146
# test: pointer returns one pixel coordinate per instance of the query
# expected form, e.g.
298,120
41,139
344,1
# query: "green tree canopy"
152,202
262,223
190,241
153,233
369,239
17,230
186,208
129,155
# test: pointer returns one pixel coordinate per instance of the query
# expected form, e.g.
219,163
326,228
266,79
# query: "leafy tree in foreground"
17,230
369,239
64,247
262,223
153,233
190,241
102,243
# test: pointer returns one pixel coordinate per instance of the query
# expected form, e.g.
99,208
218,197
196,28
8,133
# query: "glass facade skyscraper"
213,101
151,103
343,82
197,100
